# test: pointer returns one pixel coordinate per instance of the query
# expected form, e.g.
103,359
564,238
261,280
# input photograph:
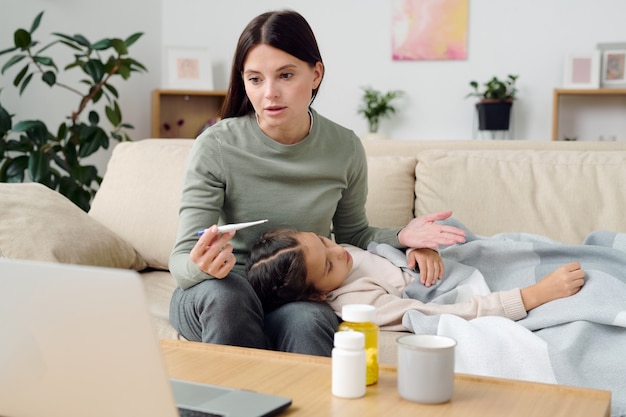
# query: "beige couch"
560,189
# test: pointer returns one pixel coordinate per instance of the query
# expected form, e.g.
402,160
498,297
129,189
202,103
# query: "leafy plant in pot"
377,105
54,157
495,101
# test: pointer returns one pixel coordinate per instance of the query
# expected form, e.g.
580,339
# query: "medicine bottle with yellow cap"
360,318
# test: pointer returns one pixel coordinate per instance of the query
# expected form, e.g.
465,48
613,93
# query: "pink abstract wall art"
429,29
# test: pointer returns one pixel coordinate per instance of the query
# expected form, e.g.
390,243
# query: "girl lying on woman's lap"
287,265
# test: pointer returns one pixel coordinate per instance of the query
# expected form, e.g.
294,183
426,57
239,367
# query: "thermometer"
235,226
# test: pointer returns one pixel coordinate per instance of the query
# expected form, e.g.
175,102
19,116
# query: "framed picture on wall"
582,71
188,69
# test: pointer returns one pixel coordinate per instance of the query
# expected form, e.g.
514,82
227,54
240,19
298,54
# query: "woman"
272,157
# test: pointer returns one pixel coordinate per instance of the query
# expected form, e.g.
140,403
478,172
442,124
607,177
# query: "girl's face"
327,263
279,87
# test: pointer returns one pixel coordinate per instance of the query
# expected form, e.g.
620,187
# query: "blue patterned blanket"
578,340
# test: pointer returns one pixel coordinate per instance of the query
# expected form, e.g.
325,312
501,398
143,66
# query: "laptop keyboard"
185,412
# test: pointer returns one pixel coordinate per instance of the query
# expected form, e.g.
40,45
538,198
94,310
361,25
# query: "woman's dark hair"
276,269
286,30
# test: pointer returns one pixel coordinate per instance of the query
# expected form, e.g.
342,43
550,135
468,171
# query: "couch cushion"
159,286
140,194
39,224
560,194
391,181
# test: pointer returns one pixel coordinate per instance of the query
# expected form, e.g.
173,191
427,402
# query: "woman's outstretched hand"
424,232
213,253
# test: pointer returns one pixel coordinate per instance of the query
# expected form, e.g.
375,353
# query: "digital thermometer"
235,226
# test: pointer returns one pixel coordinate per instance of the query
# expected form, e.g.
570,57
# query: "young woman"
286,266
272,157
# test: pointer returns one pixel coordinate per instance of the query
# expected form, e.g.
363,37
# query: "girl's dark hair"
286,30
276,269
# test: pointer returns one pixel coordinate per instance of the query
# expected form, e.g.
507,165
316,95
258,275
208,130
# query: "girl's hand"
429,263
213,253
566,280
424,232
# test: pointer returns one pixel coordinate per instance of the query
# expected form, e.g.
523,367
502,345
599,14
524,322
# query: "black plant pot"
494,115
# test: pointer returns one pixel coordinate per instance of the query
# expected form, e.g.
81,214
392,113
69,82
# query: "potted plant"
376,105
54,157
495,101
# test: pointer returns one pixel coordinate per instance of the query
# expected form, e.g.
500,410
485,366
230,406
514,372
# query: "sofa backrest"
140,194
562,190
557,189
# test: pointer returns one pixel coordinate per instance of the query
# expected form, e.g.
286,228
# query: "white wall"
529,38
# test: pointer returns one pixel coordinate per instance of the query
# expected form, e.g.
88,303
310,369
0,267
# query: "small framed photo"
188,69
612,73
613,68
582,71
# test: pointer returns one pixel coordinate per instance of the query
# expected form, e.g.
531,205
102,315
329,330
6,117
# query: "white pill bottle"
348,365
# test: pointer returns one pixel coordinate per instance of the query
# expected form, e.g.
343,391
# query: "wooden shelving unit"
558,92
185,112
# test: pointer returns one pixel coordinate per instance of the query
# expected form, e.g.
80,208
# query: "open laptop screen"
79,341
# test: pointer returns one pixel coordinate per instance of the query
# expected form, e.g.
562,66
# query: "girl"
287,265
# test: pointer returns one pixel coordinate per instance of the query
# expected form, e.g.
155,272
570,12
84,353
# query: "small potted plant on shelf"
377,105
495,101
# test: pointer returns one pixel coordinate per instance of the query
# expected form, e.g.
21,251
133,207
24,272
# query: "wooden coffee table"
307,379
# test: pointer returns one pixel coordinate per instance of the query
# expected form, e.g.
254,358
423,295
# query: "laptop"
78,341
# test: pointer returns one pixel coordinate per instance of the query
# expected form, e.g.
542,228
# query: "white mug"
426,368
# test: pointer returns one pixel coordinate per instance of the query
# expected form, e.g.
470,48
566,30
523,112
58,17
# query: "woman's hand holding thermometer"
213,252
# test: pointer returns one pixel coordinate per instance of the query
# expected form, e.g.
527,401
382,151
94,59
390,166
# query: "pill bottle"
348,365
360,318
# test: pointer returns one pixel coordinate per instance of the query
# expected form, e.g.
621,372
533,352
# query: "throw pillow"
37,223
561,194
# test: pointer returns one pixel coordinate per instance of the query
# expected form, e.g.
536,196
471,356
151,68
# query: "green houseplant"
376,105
54,157
495,99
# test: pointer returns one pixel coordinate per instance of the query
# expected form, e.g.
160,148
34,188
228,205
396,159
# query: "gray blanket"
579,340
